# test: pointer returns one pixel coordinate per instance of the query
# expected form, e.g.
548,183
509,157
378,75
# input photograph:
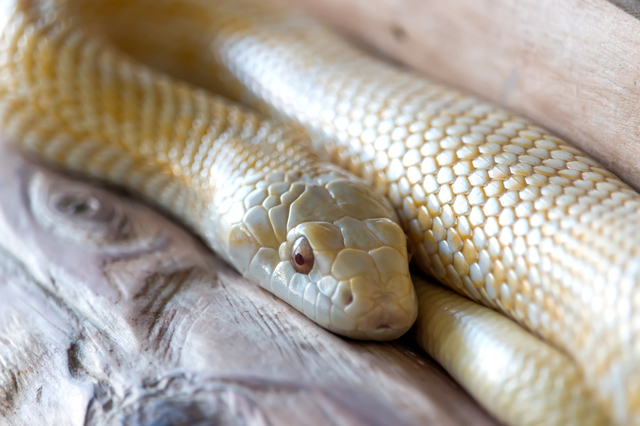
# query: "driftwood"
570,65
111,314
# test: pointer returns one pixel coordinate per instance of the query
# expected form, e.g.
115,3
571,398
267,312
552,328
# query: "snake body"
515,376
249,186
494,207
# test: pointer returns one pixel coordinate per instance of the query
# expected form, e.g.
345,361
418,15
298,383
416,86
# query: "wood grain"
571,65
110,314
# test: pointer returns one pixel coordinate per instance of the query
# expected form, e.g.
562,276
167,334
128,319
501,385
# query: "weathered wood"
111,314
571,65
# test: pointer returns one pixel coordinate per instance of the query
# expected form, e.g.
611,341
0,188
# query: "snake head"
341,259
358,282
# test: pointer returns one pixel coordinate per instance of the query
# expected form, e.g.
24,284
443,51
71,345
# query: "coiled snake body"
494,207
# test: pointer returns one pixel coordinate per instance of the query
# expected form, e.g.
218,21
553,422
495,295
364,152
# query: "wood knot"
75,211
83,206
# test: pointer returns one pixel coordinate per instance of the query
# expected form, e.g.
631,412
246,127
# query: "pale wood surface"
573,66
110,314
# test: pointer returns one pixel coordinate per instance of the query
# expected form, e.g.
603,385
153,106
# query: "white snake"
494,207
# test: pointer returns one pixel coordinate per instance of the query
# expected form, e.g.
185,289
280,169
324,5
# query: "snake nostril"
383,327
349,300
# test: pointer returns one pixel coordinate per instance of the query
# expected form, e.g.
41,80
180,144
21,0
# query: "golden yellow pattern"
495,207
248,185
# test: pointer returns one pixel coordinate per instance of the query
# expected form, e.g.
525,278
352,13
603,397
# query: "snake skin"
250,187
518,378
495,207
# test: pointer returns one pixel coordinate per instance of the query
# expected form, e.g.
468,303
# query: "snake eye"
302,256
409,249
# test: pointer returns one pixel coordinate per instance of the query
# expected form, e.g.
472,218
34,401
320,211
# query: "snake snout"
395,312
381,297
374,297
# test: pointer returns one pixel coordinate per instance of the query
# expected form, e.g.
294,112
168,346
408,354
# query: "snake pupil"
299,259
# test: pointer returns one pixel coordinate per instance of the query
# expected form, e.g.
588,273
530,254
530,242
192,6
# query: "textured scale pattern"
248,185
521,380
495,207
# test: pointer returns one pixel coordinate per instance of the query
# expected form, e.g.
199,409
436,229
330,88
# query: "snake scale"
493,206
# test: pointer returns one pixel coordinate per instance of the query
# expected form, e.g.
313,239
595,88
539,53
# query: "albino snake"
494,207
